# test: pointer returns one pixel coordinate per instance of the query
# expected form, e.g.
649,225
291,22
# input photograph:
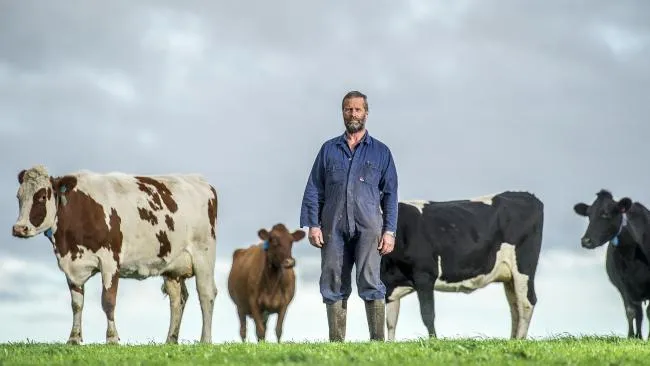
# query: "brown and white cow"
262,280
125,226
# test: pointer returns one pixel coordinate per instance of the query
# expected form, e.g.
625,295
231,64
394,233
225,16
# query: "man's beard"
354,125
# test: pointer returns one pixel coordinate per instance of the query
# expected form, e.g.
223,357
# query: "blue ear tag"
48,233
266,245
614,241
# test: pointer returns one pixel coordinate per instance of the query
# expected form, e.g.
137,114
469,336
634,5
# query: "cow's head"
606,218
278,243
38,195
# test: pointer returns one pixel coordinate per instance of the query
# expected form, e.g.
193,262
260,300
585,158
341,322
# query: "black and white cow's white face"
36,203
605,218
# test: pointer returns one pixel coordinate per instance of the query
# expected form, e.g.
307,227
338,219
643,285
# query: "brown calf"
262,281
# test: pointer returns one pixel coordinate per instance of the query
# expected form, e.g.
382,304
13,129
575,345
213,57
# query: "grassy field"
557,351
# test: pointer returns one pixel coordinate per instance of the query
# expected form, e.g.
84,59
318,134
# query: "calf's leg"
279,322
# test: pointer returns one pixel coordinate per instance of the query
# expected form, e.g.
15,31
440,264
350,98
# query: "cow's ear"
21,176
624,204
298,235
64,184
263,234
581,208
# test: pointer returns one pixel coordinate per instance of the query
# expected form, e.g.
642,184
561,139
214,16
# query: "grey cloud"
472,99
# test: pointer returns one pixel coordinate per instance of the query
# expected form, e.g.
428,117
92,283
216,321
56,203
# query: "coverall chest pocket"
336,173
371,173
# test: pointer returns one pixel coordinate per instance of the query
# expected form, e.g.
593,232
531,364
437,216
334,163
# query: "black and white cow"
624,224
462,246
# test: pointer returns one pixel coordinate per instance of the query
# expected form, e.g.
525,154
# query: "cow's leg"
424,285
77,304
206,287
392,314
511,296
638,316
242,324
279,322
647,309
175,288
109,297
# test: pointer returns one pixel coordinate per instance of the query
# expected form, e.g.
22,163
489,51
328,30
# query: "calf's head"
38,194
606,218
278,243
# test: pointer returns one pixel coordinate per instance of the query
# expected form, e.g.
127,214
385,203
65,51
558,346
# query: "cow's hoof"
113,340
75,340
172,340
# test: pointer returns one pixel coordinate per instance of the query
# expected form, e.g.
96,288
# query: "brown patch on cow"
115,235
21,176
170,222
75,288
212,211
165,245
109,297
161,192
147,215
38,211
82,222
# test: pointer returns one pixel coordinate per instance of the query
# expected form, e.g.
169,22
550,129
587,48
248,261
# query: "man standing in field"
350,207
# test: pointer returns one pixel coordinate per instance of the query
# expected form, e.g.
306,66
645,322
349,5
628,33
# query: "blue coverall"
352,197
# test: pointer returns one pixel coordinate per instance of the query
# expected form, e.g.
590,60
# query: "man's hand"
316,237
386,244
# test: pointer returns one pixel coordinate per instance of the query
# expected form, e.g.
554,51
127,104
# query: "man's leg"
336,283
369,285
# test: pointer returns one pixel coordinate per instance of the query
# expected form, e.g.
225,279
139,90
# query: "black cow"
464,245
624,224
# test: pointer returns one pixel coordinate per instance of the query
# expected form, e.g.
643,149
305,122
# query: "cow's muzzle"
20,231
289,263
587,243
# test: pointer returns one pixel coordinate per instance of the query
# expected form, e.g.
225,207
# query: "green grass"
556,351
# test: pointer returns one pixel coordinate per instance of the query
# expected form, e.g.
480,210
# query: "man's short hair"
355,94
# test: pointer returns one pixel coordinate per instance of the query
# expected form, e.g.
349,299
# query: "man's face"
354,114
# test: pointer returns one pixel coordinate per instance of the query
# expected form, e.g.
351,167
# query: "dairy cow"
125,226
624,225
262,280
462,246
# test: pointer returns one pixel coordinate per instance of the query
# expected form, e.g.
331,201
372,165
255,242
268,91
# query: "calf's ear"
298,235
64,184
263,234
581,208
624,204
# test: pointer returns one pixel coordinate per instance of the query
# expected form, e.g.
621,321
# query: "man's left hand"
386,244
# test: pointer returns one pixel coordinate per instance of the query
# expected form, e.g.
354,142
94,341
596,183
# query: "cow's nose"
19,230
585,241
289,263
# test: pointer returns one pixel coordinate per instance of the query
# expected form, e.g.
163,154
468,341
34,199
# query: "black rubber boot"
336,319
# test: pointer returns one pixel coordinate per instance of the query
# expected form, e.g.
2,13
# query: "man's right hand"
316,237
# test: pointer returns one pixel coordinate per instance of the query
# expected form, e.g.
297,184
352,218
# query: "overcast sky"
472,97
